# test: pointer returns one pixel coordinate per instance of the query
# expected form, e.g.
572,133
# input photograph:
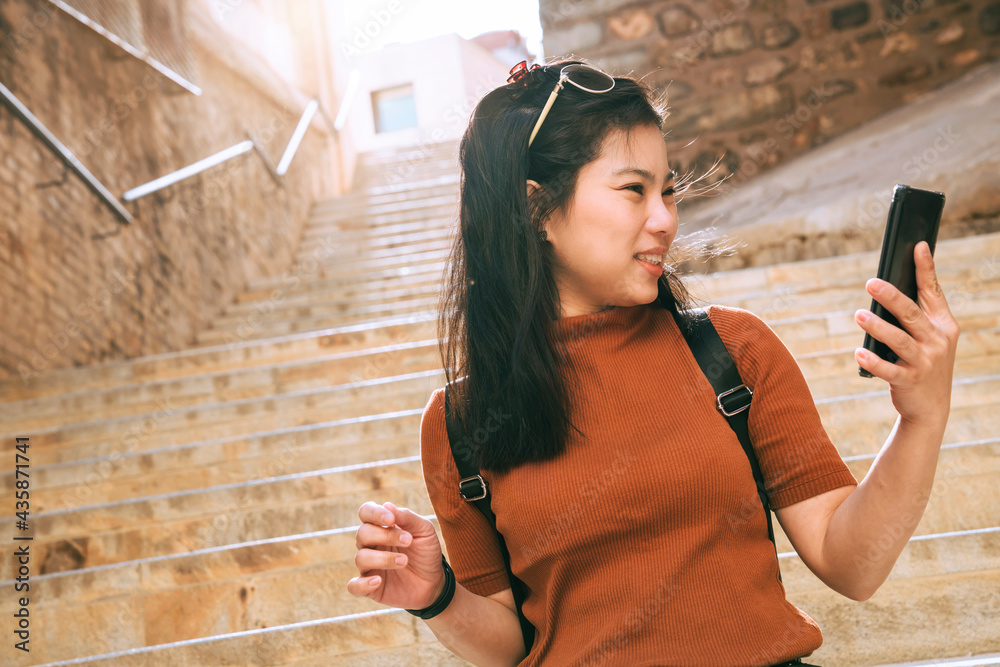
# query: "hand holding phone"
914,216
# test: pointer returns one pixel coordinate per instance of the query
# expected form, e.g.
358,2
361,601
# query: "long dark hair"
499,290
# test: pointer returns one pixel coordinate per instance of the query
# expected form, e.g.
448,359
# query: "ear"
532,187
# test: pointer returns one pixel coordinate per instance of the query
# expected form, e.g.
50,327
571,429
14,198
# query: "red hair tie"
519,71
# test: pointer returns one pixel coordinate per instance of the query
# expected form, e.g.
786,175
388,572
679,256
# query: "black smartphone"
914,216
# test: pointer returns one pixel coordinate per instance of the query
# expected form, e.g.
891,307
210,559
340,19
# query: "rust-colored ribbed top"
645,543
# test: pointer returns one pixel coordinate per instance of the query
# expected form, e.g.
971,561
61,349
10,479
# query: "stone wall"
77,286
754,82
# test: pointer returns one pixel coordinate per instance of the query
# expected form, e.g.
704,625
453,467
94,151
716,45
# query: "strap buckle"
734,401
470,486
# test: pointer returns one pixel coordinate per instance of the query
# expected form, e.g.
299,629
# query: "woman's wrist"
444,597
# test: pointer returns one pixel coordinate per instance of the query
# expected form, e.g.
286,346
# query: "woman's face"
623,205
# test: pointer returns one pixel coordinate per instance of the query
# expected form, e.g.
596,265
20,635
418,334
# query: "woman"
622,495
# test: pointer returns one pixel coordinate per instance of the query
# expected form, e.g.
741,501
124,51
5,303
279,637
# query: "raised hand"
398,558
920,381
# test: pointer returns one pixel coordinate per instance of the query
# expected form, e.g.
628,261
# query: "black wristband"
443,600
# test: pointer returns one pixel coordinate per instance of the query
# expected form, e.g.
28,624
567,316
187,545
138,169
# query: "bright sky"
420,19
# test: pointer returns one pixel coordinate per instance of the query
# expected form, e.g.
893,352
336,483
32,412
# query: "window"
394,108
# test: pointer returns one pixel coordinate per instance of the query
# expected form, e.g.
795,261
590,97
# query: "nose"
662,216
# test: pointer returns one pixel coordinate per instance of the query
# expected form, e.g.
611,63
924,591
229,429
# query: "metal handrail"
63,153
300,131
128,48
71,161
222,156
188,171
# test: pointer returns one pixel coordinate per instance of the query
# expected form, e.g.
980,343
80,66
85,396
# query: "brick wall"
758,81
77,286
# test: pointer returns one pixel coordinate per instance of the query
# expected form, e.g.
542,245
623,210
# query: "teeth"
652,259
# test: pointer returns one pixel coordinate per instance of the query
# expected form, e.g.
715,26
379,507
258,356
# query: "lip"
657,250
653,269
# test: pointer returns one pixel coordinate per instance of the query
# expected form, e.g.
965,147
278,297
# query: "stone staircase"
199,507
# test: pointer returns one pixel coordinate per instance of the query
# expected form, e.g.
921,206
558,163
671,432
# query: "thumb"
410,521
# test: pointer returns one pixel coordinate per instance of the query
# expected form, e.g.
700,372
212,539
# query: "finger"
369,560
374,513
410,521
876,365
370,535
361,587
910,317
929,293
898,340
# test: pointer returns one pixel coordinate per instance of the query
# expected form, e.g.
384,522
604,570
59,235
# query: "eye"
669,192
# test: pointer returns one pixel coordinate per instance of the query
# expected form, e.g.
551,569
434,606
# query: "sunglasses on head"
584,77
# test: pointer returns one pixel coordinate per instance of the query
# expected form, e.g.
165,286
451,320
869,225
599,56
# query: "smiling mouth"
656,260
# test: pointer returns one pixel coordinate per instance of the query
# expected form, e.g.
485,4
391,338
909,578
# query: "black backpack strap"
473,488
732,396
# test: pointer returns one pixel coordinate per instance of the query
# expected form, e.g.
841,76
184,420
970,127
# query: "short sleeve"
472,545
796,456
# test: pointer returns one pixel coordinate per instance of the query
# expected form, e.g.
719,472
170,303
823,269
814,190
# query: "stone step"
840,295
220,358
402,170
326,224
123,476
213,517
387,157
801,334
341,248
300,312
860,424
178,425
430,180
315,238
846,334
948,606
397,173
981,251
267,326
310,305
941,599
378,267
422,284
379,260
173,425
333,212
437,210
399,640
189,596
823,324
816,300
962,499
398,194
831,373
322,558
242,383
377,257
320,277
835,330
834,372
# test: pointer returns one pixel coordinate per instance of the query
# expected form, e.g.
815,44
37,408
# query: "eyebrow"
642,173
